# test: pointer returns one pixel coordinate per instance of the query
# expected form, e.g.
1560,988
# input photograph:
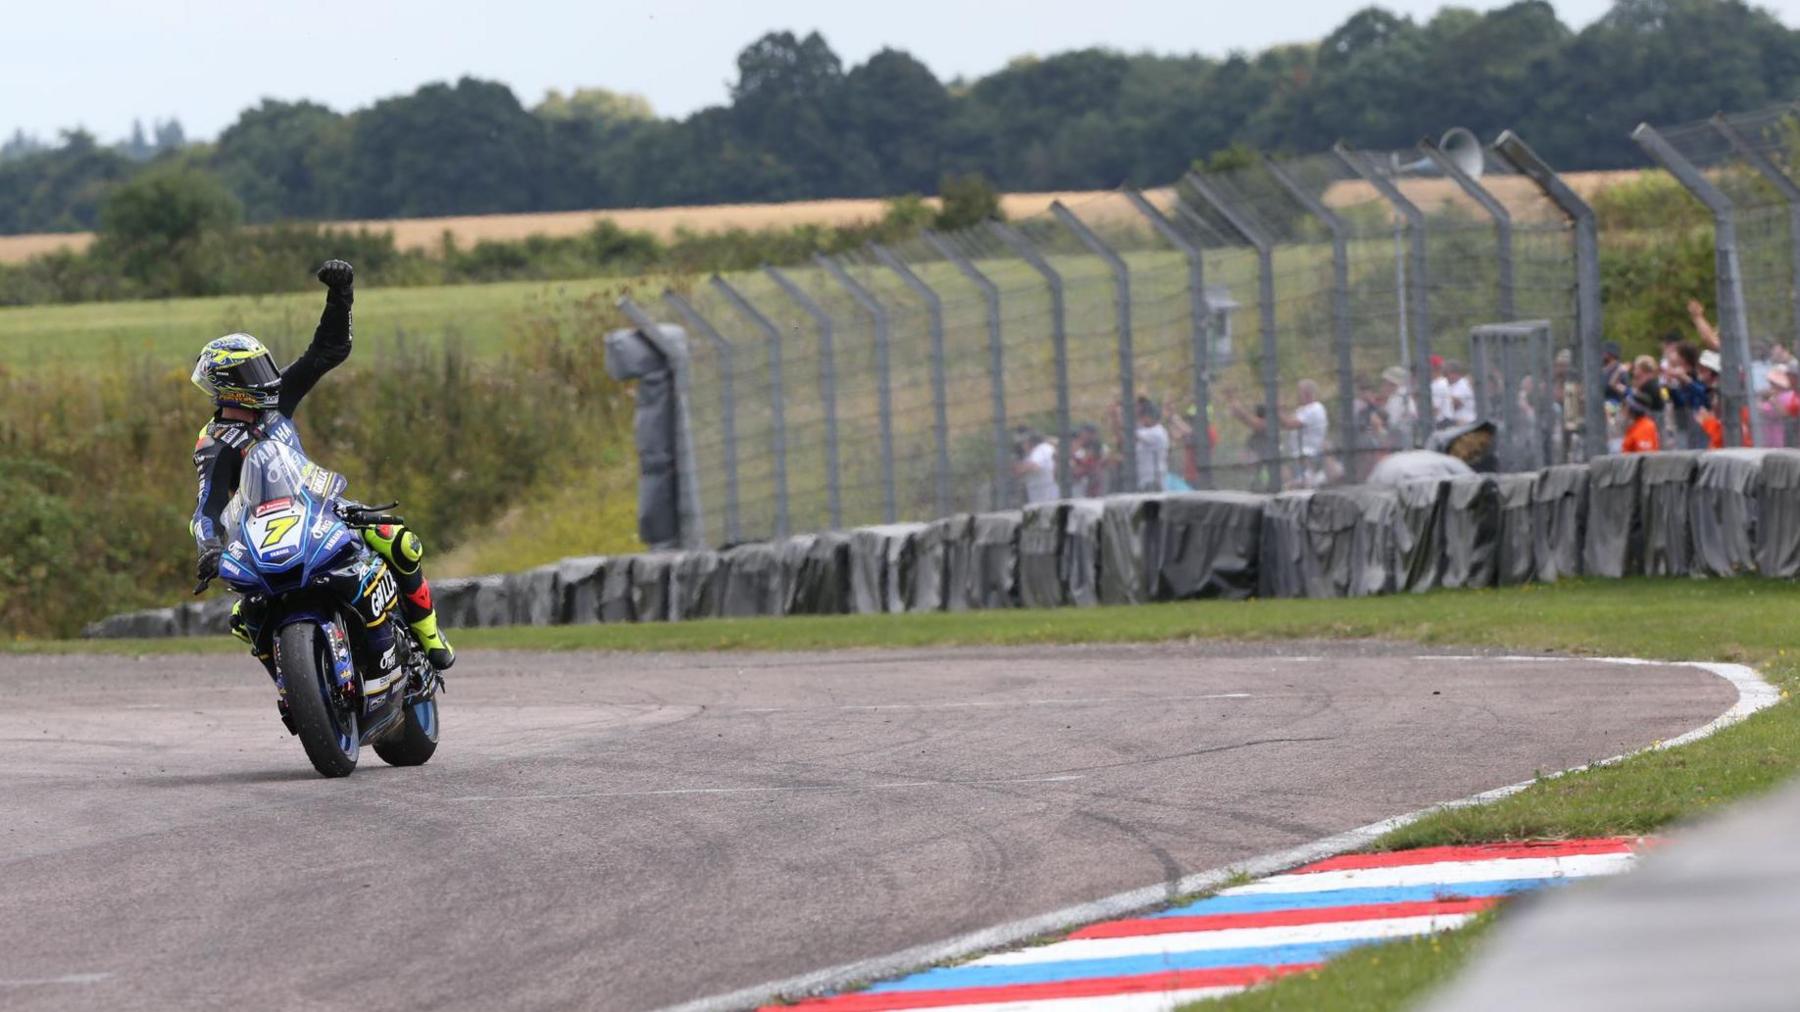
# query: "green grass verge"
1380,977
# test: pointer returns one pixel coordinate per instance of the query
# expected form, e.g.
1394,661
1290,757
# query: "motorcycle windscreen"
275,470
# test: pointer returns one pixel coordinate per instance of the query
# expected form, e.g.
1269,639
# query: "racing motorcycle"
295,552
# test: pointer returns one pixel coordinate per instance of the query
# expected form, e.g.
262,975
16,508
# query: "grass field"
172,329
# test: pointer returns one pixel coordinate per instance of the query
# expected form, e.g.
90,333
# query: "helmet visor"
250,374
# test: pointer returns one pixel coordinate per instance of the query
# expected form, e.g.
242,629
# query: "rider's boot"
404,551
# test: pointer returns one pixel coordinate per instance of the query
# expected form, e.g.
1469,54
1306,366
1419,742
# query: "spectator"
1257,452
1462,394
1686,396
1440,394
1780,407
1184,429
1087,462
1616,373
1401,413
1151,445
1373,437
1311,422
1036,465
1641,434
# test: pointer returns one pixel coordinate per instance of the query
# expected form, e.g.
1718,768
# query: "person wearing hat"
1641,435
1780,407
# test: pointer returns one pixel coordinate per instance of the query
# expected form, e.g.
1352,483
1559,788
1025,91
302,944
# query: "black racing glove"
208,565
337,275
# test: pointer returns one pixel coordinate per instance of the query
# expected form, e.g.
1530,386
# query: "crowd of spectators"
1651,404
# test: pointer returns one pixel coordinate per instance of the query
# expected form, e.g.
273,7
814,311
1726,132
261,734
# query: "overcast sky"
101,64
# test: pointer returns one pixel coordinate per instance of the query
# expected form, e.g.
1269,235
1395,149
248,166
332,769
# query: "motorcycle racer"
256,401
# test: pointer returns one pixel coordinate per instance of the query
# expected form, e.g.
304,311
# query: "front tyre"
328,730
415,739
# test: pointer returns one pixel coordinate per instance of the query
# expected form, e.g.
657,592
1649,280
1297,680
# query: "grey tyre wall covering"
879,559
752,582
650,586
1778,516
1128,545
1722,511
617,602
790,562
1376,569
1421,539
581,580
1211,544
1559,509
455,602
1664,481
923,583
821,580
959,559
534,595
1281,569
1471,531
1615,527
995,573
1331,550
493,601
1080,560
1516,560
697,586
1041,535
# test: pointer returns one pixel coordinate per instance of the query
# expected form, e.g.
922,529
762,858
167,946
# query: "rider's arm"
217,466
330,344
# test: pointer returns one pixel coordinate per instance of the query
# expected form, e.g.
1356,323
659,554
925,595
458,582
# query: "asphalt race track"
618,832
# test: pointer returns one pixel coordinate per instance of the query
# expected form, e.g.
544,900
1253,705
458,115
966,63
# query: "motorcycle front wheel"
327,730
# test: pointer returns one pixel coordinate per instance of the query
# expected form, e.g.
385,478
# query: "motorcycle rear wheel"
414,741
329,733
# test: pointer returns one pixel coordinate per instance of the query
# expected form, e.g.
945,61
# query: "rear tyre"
413,742
328,731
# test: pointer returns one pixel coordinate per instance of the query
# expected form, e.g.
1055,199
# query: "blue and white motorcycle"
315,597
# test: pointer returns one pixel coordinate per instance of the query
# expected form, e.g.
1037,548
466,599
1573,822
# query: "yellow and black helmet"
237,371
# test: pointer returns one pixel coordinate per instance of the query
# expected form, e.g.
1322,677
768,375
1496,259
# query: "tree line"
802,125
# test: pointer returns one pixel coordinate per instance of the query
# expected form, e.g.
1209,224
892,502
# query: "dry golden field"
664,222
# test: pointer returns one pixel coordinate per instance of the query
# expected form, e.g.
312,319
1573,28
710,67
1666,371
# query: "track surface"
629,832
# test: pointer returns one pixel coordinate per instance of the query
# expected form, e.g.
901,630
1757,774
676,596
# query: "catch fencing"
913,381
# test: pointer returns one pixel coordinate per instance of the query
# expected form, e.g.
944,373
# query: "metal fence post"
728,407
1419,285
940,389
1733,323
1790,193
691,518
1503,226
1265,299
1588,323
1122,321
884,385
834,493
1059,338
1342,339
990,294
1200,318
777,402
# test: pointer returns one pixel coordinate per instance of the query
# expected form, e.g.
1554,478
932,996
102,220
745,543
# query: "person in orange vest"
1641,435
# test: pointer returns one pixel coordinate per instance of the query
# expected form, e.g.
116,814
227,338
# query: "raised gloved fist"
337,274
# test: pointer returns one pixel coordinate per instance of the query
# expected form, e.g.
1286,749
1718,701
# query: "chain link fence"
1285,324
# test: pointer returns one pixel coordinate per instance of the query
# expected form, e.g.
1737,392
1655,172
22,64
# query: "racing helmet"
237,371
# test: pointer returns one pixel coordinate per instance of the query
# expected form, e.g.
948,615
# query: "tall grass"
97,485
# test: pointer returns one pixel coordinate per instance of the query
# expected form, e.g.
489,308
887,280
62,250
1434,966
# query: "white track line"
1754,693
1226,938
1441,873
1151,1001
